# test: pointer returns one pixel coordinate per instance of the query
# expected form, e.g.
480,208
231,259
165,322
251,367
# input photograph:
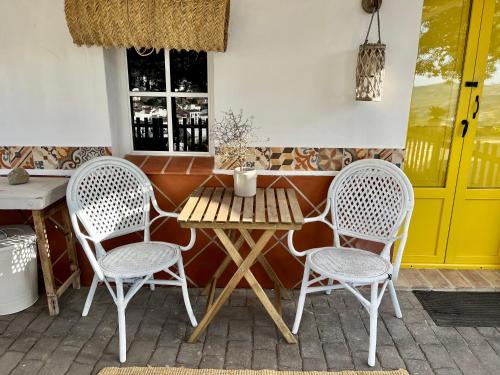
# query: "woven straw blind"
199,25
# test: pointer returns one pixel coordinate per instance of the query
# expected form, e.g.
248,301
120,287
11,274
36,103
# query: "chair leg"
330,282
152,286
373,324
120,305
394,299
90,296
185,293
302,298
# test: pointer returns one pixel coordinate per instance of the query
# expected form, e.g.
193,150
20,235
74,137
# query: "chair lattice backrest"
370,199
110,197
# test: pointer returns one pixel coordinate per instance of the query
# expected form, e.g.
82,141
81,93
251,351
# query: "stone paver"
333,336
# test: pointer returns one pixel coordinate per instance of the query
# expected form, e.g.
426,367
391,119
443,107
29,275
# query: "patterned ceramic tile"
73,157
353,154
311,159
306,159
21,157
4,158
262,157
45,157
381,153
330,159
397,158
281,158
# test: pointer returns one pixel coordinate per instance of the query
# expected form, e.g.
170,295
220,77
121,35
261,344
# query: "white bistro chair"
110,197
369,200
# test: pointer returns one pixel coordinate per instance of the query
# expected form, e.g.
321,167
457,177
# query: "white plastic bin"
18,268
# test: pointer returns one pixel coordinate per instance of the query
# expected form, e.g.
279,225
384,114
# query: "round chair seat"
348,264
139,259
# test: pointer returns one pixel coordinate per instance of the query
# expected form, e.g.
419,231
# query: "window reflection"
188,71
485,163
146,73
149,123
436,90
190,124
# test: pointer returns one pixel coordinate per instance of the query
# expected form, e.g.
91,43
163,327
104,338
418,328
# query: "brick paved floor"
333,336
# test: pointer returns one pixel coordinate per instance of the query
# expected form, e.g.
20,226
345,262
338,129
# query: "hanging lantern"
370,69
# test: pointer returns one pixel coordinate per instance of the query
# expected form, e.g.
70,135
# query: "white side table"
43,196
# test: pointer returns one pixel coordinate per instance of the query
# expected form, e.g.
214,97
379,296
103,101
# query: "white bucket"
18,268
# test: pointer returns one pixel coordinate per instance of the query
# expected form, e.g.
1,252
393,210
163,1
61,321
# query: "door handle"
477,107
465,123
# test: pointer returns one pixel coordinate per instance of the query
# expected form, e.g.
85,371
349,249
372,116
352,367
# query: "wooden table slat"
236,209
283,206
225,206
202,205
295,207
272,211
248,213
190,205
260,206
214,205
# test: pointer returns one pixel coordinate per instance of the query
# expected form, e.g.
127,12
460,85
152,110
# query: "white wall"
52,93
291,64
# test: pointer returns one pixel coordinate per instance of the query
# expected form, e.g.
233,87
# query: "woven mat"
188,371
461,309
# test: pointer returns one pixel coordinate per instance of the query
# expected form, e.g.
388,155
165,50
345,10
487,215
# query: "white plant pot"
245,182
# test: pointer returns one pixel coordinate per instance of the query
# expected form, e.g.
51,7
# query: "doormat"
188,371
461,309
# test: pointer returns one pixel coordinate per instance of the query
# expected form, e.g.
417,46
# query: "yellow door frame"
463,193
445,195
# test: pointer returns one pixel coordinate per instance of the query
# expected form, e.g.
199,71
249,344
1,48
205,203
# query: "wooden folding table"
221,210
44,197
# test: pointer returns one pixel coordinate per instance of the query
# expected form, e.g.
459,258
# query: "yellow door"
443,97
474,238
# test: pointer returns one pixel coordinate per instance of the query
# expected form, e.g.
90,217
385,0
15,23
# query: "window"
168,92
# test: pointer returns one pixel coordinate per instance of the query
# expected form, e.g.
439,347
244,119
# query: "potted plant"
232,136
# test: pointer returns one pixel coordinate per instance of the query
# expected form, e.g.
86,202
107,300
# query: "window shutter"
198,25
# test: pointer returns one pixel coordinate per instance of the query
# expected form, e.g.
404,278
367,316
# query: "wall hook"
369,5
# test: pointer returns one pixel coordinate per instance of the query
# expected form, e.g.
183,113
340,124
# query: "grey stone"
215,346
240,330
190,354
140,351
417,367
389,357
80,369
164,356
18,176
60,361
211,361
264,359
9,360
239,355
314,364
27,367
265,338
337,356
289,357
437,356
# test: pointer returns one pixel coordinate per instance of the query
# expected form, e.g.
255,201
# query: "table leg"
243,271
220,270
44,254
71,247
235,279
268,268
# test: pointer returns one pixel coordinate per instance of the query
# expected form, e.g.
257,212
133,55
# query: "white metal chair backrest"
110,197
370,199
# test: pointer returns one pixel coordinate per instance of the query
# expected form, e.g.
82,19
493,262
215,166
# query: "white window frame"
168,94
